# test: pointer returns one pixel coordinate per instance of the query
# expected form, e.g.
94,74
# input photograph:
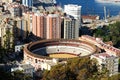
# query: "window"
35,60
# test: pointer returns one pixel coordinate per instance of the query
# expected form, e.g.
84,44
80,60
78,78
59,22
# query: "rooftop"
102,45
26,66
102,55
93,17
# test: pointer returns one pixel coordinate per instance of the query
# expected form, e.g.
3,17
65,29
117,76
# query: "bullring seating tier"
74,47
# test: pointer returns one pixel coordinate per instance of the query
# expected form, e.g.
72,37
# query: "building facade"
21,28
99,43
53,26
26,68
27,3
28,17
107,61
70,28
75,12
39,25
15,9
46,26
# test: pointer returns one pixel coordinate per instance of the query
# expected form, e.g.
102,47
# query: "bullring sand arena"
48,49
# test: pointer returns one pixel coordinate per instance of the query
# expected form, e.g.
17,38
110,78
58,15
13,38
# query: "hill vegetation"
78,69
109,33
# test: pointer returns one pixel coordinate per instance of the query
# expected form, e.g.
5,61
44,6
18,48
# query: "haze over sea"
93,7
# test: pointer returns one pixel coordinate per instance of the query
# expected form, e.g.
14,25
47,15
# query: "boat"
108,1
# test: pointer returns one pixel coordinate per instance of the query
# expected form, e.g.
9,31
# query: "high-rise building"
39,25
75,12
69,31
46,26
53,26
21,28
27,3
28,17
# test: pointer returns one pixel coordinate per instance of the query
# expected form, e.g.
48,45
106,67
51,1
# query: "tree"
78,69
115,77
82,75
56,73
19,75
8,43
109,33
5,75
74,69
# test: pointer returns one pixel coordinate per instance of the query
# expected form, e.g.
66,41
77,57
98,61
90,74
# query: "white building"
107,61
47,65
26,68
75,12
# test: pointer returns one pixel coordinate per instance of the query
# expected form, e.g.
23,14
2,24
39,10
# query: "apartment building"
53,26
69,28
105,60
39,25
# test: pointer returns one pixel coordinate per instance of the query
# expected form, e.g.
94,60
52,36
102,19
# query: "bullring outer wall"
36,60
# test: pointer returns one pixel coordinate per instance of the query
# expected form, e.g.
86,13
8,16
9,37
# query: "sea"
94,7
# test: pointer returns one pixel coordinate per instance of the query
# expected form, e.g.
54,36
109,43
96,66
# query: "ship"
108,1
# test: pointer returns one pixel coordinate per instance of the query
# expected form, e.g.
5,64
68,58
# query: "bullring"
45,50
